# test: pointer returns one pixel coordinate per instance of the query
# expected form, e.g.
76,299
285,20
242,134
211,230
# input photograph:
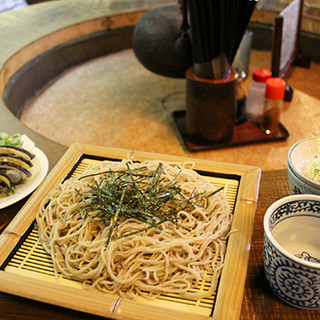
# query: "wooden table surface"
259,303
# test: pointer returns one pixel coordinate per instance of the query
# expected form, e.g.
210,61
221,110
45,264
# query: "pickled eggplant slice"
11,155
5,184
18,151
13,160
15,164
14,175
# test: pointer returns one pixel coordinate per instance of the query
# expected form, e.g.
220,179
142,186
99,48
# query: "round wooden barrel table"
68,74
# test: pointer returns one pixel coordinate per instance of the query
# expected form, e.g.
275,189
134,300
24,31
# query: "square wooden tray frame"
229,296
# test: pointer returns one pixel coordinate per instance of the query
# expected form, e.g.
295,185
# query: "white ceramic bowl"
298,155
292,250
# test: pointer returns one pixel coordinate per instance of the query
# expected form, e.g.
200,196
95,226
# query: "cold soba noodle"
137,228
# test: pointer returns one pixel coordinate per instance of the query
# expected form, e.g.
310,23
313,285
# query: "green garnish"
132,193
14,140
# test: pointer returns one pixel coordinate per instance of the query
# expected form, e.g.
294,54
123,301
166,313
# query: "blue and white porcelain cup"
292,250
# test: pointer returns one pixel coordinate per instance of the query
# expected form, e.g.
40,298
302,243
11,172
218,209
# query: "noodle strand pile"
172,258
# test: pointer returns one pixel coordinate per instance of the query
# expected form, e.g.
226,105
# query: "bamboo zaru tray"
26,269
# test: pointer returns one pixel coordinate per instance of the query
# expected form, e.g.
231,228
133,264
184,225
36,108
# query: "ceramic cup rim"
290,165
274,242
316,191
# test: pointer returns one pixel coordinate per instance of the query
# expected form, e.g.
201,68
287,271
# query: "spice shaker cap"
261,75
275,88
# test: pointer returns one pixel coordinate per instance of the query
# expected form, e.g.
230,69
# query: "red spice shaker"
274,94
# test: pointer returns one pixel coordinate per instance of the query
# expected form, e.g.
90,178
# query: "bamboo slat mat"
259,303
241,184
32,261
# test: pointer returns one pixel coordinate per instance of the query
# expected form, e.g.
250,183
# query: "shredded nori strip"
132,193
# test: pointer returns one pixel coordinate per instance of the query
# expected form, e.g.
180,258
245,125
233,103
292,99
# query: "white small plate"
38,171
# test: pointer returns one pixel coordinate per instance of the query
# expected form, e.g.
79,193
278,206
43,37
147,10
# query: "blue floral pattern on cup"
307,257
296,284
293,208
293,283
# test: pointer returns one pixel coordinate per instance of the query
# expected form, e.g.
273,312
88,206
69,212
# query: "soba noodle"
176,258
